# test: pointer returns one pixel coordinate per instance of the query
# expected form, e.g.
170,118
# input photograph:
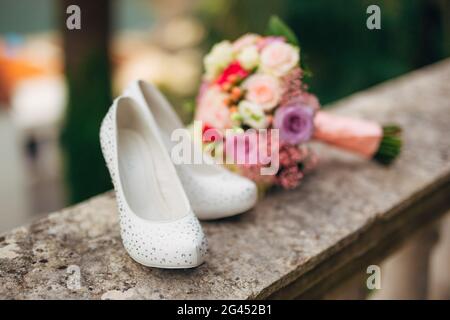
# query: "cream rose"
264,90
252,114
249,57
218,59
278,58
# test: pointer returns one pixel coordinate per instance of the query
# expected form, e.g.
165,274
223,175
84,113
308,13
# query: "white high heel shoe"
213,191
158,227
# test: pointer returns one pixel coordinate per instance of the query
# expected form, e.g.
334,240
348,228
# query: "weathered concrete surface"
279,242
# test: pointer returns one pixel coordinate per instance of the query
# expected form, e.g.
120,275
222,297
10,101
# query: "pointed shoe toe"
170,245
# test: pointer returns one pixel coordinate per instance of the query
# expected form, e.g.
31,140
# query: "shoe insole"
144,178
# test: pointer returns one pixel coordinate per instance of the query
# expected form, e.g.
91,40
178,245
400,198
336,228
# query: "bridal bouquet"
253,91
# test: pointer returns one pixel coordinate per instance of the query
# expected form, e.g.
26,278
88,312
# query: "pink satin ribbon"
359,136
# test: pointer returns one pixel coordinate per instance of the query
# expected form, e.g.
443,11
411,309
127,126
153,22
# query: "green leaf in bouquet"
277,27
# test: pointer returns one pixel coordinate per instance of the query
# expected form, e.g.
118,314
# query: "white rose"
252,114
218,59
249,57
263,89
278,58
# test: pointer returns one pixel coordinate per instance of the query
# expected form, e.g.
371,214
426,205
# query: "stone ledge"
288,245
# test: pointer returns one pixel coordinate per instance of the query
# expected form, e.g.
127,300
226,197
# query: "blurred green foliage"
89,98
88,74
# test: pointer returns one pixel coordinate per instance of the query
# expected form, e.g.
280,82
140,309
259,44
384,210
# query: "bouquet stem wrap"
363,137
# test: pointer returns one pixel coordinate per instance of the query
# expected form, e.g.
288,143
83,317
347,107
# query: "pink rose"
203,88
242,148
264,90
252,147
245,40
264,42
278,58
212,109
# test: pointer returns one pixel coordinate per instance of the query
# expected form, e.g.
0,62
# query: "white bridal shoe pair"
157,200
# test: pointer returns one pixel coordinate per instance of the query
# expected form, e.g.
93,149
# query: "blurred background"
56,84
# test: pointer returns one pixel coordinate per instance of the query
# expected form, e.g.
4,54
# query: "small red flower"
231,73
210,134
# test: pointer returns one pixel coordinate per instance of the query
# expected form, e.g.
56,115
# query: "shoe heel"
106,145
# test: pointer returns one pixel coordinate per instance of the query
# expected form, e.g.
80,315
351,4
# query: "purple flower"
295,123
